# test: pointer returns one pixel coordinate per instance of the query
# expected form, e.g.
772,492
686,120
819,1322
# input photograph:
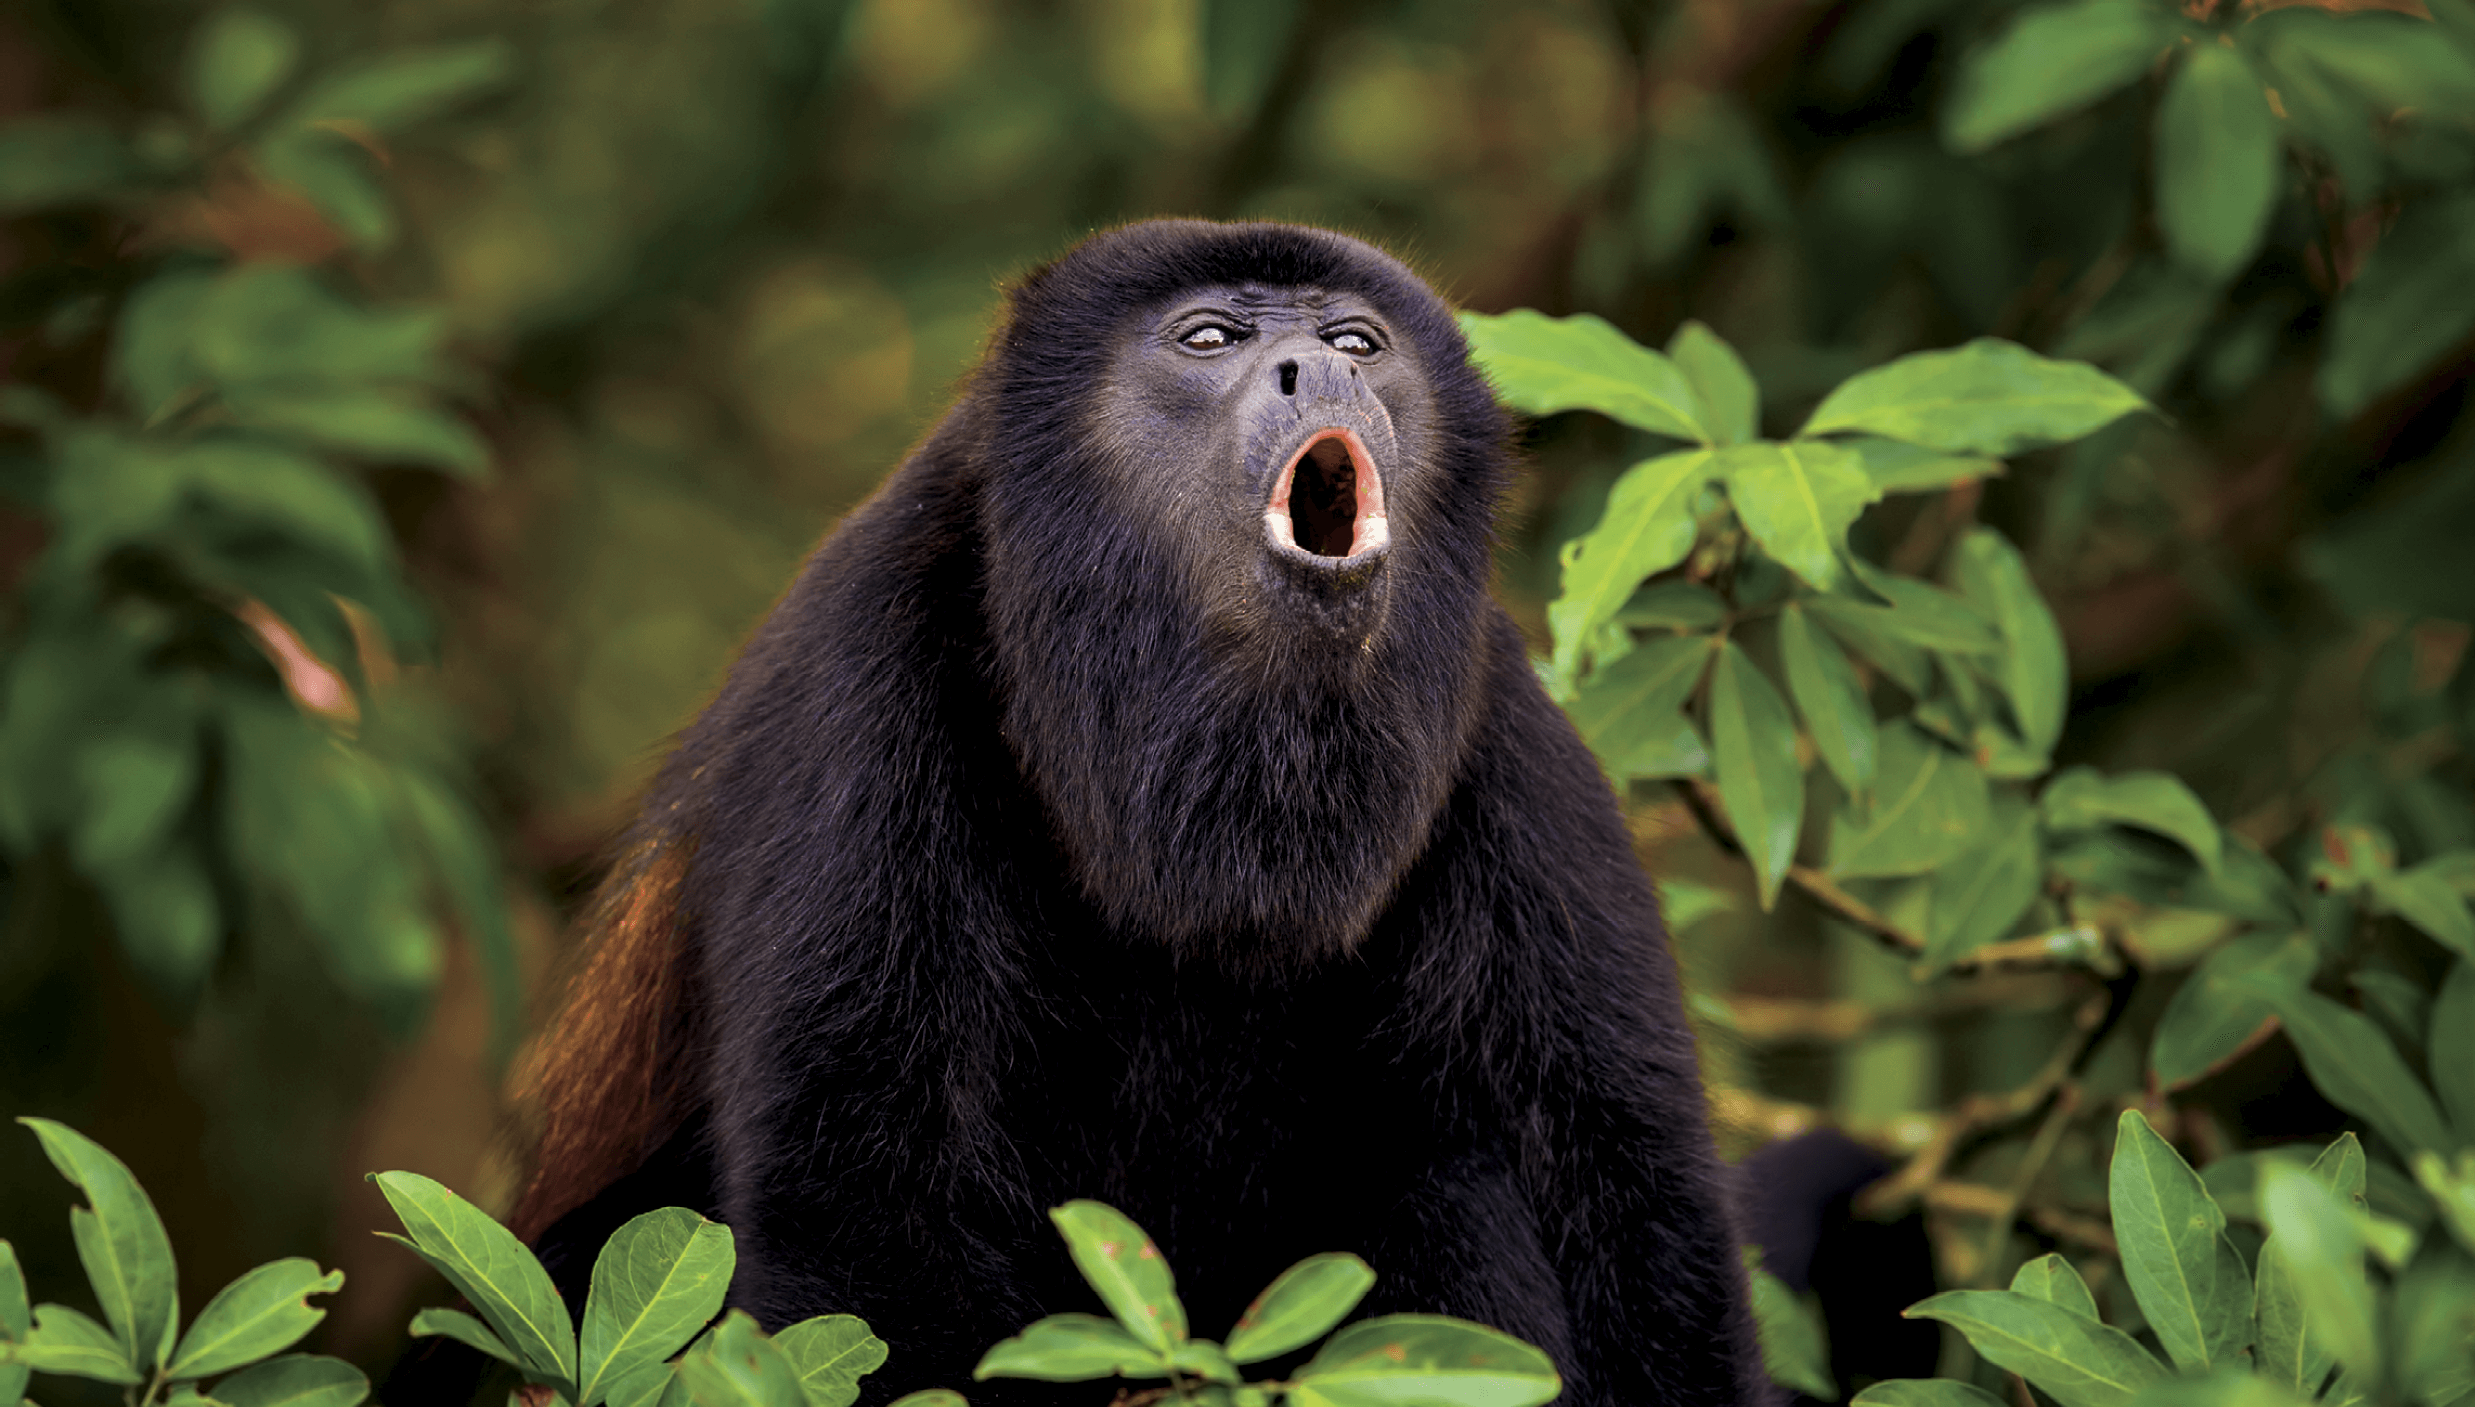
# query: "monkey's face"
1277,428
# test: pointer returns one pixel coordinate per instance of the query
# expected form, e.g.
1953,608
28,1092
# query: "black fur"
1051,841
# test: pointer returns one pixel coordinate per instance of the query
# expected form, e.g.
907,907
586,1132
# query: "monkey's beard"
1247,789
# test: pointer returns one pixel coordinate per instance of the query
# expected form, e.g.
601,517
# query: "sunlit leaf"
831,1353
737,1366
1896,467
1128,1270
656,1282
1797,500
1989,397
2217,161
1925,1392
1065,1348
2189,1280
1421,1358
464,1329
120,1241
1541,365
2080,797
1730,403
2057,1282
1795,1352
1754,742
1300,1306
1832,700
2435,1333
67,1342
265,1311
1634,702
1981,894
490,1268
1648,526
2313,1232
2079,1362
1674,605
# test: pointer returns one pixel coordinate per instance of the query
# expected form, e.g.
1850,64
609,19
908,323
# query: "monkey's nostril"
1288,378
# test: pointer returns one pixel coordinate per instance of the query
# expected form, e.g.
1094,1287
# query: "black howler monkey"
1140,798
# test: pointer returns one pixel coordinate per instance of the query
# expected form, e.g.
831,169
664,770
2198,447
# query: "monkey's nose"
1289,378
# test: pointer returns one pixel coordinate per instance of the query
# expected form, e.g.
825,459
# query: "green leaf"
265,1311
241,57
2057,1282
1920,613
2187,1276
2218,161
151,357
2424,897
1929,805
1648,527
2452,1042
335,174
1977,897
2452,1190
51,161
372,424
1925,1392
1797,500
120,1241
1424,1358
263,323
2077,1361
2413,299
16,1316
2390,61
2079,799
2435,1334
2314,1233
1633,703
1989,397
933,1397
2054,59
1201,1358
492,1269
1832,700
1541,365
2035,672
1065,1348
738,1366
657,1281
1728,401
1905,468
1754,742
1126,1268
2228,1387
1794,1351
464,1329
1674,605
2284,1351
2218,1011
135,787
831,1352
394,92
66,1342
2356,1067
295,1380
1300,1306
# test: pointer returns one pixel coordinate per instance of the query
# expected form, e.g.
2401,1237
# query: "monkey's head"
1240,484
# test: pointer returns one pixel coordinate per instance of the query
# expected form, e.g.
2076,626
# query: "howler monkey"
1140,798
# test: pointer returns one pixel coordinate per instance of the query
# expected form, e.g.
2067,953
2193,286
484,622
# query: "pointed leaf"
1925,1392
1424,1358
737,1364
369,423
2057,1282
1541,365
492,1269
2313,1230
120,1241
1989,397
16,1316
1674,605
2079,1362
657,1281
2035,672
1635,701
1126,1268
831,1352
2079,798
464,1329
1730,404
2452,1044
1201,1358
2356,1067
2187,1276
2424,897
1065,1348
2218,1011
1795,1352
1832,700
1300,1306
1648,527
1919,613
265,1311
1929,805
1797,500
295,1380
2217,161
241,57
1754,743
1977,897
67,1342
407,86
1905,468
2053,60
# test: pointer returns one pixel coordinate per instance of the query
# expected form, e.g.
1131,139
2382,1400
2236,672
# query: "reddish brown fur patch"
603,1084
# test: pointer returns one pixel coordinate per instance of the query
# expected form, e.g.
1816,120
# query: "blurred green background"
414,402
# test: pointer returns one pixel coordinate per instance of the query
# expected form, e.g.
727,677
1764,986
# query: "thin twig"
1703,800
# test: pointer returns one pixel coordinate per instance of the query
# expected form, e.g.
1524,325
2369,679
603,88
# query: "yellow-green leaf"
1754,744
1797,499
1541,365
1989,397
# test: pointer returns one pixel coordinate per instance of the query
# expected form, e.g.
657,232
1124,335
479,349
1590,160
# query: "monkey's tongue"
1329,500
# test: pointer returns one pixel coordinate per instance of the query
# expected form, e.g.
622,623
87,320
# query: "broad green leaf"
1754,743
1797,500
2413,299
489,1267
1794,1351
1989,397
67,1342
372,424
2219,1010
241,56
2452,1049
2425,898
1673,749
1924,614
1065,1348
738,1365
263,1312
1904,468
2315,1234
1648,526
1126,1268
2077,1361
2035,673
464,1329
1925,1392
1541,365
657,1281
56,160
2187,1276
831,1352
2284,1351
1929,805
2218,161
1300,1306
1402,1359
120,1241
2057,1282
338,176
393,92
1729,403
295,1380
2357,1069
1832,700
1674,605
1635,701
1977,897
2342,1168
2079,798
2053,60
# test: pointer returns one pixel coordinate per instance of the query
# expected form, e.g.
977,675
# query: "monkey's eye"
1210,337
1357,344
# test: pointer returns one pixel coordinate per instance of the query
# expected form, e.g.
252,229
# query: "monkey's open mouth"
1328,500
